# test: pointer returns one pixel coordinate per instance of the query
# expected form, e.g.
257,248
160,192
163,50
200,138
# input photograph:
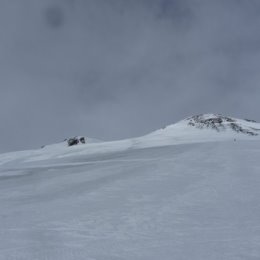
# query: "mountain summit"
223,123
203,128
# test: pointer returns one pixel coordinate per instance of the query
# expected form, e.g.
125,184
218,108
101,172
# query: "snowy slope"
191,130
183,192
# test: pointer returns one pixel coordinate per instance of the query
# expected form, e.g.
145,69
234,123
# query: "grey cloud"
115,69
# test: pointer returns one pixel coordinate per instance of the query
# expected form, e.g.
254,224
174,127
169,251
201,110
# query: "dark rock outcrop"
221,123
76,140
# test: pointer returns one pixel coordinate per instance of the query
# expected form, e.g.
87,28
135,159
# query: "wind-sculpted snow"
149,198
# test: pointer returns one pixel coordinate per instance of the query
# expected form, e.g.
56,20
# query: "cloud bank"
114,69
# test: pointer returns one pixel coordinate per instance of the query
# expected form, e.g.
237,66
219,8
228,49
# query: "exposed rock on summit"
222,123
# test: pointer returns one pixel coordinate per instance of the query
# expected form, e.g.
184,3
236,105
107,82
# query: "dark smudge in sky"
113,69
54,16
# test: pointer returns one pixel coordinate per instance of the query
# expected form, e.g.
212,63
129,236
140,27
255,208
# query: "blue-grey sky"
113,69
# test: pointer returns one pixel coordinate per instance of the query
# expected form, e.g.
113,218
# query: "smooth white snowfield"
178,193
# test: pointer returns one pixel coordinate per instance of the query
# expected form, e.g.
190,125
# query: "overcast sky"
113,69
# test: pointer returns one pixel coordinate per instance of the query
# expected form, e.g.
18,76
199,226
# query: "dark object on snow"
73,141
82,140
76,140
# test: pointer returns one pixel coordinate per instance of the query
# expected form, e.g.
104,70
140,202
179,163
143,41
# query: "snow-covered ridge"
203,128
195,129
64,143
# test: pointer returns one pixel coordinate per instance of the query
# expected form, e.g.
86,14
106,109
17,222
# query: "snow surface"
177,193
